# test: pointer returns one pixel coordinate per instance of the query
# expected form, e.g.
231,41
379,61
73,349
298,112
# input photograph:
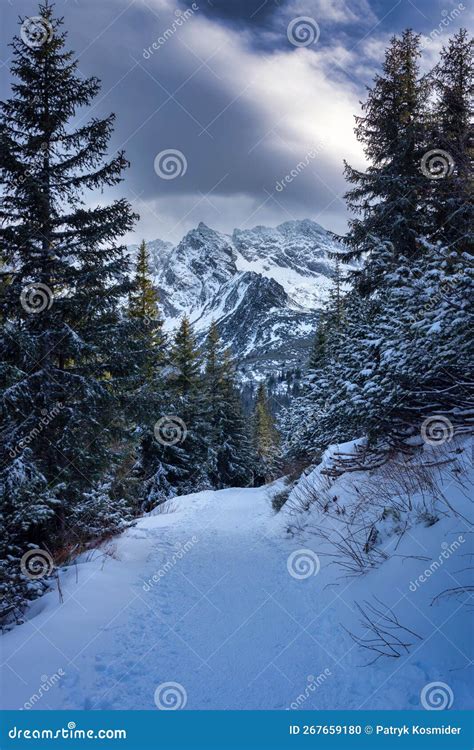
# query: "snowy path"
224,619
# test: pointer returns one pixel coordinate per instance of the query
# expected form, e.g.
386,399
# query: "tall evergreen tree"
317,355
228,456
452,206
403,352
265,438
214,407
335,308
144,389
387,194
185,361
148,339
67,272
174,457
187,397
143,298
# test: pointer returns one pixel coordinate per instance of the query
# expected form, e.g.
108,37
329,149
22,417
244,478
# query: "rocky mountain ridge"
263,286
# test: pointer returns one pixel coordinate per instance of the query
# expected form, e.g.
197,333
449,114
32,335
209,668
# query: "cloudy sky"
255,99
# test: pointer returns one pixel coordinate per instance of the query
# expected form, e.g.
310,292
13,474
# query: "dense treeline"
101,416
393,355
104,416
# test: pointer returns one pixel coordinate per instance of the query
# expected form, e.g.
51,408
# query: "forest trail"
201,598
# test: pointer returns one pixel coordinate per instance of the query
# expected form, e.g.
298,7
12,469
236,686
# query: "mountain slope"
263,287
295,254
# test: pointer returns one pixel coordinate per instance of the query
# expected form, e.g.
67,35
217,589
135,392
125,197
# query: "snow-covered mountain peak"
194,271
263,286
295,253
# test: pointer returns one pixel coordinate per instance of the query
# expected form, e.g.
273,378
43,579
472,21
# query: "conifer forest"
236,283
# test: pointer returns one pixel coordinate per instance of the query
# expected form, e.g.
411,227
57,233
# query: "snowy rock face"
263,287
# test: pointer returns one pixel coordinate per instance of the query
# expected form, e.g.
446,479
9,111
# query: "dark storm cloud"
240,12
222,84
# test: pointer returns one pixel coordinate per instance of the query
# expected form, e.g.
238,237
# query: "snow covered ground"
219,599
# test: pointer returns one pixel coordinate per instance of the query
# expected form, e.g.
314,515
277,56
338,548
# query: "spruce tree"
145,386
317,355
228,456
335,309
174,456
265,438
148,342
388,195
66,273
236,454
143,298
214,406
185,361
402,352
453,138
187,398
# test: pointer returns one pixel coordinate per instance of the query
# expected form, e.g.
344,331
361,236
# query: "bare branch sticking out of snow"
384,634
